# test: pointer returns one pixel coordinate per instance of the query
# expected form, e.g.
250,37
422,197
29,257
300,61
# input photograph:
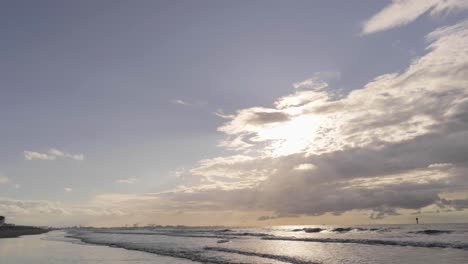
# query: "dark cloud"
259,118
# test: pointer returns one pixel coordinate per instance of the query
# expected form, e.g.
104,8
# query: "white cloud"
305,166
181,102
51,154
31,155
186,103
67,189
128,180
310,84
402,12
230,172
399,142
220,113
392,108
56,152
318,81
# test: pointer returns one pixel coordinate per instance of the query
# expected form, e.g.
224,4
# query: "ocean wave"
338,229
194,255
356,229
250,234
230,236
223,230
431,232
402,243
220,234
309,230
262,255
342,229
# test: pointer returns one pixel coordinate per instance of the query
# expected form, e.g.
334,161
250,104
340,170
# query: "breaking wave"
375,242
194,255
231,236
431,232
262,255
309,230
338,229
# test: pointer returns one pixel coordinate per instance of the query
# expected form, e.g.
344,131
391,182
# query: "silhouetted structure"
12,230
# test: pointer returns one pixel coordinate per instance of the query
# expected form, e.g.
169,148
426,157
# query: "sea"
424,244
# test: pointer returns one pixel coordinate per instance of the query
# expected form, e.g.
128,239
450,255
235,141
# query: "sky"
233,112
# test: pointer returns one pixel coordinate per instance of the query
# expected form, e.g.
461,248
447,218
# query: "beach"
54,248
375,244
386,244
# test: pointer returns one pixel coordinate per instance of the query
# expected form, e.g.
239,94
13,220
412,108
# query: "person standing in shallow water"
417,221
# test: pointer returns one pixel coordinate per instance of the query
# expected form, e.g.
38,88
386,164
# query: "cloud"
220,113
127,180
318,81
31,155
4,179
12,207
311,84
402,12
391,108
181,102
67,189
398,143
305,166
192,104
51,154
53,213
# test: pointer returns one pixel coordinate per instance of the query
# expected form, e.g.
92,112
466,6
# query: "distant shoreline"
17,231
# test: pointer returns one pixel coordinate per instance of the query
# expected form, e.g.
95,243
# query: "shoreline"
18,231
40,249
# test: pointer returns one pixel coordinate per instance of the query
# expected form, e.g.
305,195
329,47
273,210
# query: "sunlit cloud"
395,144
305,166
310,84
398,143
318,81
32,155
51,154
403,107
220,113
402,12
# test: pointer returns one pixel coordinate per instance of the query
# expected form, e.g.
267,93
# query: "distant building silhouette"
2,220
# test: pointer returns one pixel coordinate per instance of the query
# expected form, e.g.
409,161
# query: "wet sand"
54,248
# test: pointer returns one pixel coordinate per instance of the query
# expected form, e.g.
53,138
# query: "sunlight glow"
292,136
